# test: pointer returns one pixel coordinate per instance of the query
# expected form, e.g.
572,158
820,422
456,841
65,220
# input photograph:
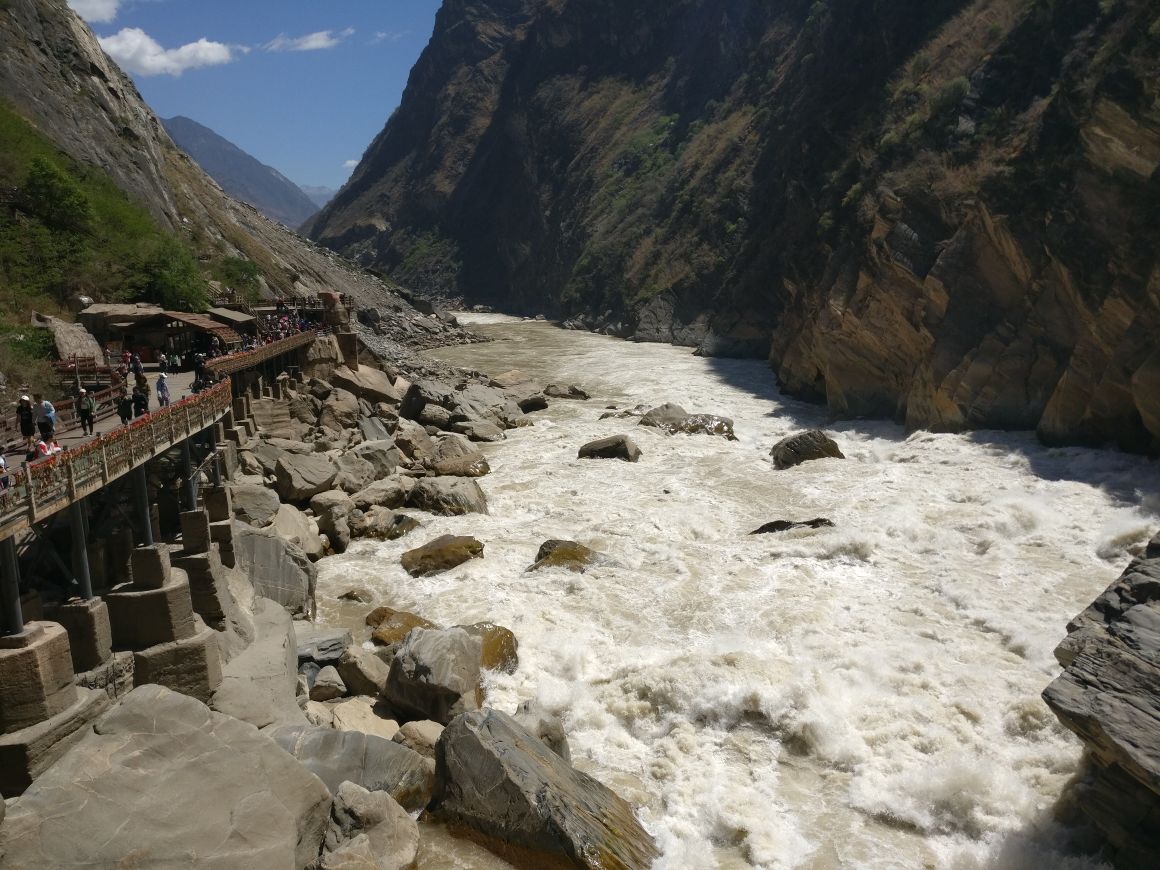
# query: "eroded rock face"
803,447
1109,695
449,496
499,780
196,787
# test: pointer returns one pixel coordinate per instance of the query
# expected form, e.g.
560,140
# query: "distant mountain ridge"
320,196
240,175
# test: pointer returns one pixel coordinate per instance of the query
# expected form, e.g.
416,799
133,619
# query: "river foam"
859,696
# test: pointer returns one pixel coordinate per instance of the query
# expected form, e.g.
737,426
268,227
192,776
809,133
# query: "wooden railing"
235,362
40,489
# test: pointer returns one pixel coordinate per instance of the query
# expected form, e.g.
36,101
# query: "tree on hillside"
55,198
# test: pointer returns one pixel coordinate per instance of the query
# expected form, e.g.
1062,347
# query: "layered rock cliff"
1109,695
54,73
943,212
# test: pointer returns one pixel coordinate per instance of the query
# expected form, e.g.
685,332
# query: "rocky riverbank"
309,749
1109,695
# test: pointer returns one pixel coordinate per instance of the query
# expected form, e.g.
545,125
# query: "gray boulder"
332,510
301,477
354,472
803,447
664,416
565,391
278,569
673,419
414,442
259,684
391,492
328,685
374,763
614,447
478,430
564,554
162,781
420,736
435,674
448,496
297,528
321,645
363,672
369,831
382,524
255,505
499,780
366,383
340,411
383,456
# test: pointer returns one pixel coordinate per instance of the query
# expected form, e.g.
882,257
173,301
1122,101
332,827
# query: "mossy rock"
500,649
564,554
442,554
391,626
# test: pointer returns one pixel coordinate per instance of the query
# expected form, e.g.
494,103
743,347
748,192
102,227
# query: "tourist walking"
25,419
87,411
124,407
44,414
162,390
140,402
162,362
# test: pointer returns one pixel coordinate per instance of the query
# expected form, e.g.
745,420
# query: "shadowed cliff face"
943,212
54,73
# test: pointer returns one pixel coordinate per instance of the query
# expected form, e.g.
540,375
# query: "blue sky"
302,85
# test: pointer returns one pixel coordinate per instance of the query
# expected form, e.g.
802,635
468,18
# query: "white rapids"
859,696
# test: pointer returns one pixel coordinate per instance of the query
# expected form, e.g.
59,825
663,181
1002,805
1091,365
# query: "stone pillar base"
191,666
208,590
113,677
149,566
219,503
36,676
89,632
142,618
27,753
195,531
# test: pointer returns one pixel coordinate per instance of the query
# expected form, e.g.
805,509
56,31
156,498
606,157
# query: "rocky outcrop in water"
1109,695
942,213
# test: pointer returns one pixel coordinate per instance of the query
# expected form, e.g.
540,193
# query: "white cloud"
95,11
310,42
387,36
138,52
349,164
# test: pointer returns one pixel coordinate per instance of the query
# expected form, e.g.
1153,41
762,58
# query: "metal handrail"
41,488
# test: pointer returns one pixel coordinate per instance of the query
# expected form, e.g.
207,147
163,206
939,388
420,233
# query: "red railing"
235,362
39,489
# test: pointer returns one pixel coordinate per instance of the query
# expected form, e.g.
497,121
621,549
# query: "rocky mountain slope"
241,175
943,212
54,73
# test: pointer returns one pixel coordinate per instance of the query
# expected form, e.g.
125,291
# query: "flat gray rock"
279,570
613,447
255,505
164,782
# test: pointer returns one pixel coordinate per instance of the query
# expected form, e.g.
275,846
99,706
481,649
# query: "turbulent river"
859,696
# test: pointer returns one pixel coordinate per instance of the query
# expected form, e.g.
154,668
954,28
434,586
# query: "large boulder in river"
674,419
449,496
787,525
161,781
442,554
297,528
381,524
457,457
507,785
499,649
664,416
565,391
373,762
255,505
563,554
435,674
390,626
796,449
300,477
614,447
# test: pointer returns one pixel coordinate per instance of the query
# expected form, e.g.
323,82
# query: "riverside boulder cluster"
313,751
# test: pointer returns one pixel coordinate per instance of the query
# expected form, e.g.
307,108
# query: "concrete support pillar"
80,552
141,505
190,488
11,616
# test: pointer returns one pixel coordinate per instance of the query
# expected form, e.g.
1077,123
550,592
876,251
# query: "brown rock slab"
442,554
